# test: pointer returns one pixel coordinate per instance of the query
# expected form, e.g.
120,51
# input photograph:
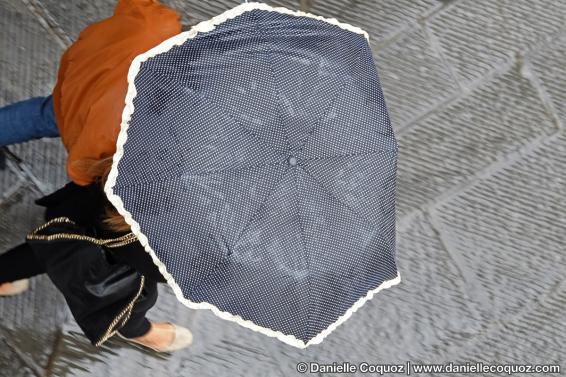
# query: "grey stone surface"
478,35
29,321
413,76
19,215
549,68
10,181
475,92
28,55
532,336
73,16
381,19
10,364
450,145
507,230
46,161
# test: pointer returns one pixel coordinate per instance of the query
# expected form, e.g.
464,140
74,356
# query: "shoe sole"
20,286
174,346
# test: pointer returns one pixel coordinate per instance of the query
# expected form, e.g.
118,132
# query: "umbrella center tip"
292,160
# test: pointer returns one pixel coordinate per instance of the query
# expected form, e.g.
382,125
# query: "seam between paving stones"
24,171
405,27
495,324
12,191
435,45
466,90
492,169
48,22
530,74
456,93
523,50
53,354
36,369
465,273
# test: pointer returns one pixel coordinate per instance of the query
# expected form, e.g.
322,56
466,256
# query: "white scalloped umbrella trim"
165,46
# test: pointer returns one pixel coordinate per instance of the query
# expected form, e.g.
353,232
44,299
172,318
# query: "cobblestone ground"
476,93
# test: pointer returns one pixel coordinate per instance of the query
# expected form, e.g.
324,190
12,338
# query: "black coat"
98,277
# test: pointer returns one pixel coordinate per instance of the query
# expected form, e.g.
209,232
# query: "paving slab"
549,68
447,147
507,231
413,76
11,365
10,181
45,159
31,320
381,19
477,36
19,215
28,55
532,336
73,16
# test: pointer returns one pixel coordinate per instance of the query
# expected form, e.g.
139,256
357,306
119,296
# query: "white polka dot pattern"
257,165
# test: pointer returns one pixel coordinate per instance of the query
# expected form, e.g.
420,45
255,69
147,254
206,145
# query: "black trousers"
20,263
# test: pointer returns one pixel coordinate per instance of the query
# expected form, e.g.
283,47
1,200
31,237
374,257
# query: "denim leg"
33,118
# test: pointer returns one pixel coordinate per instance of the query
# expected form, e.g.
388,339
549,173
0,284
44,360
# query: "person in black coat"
106,277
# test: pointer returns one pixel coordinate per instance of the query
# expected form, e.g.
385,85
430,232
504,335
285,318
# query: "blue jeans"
26,120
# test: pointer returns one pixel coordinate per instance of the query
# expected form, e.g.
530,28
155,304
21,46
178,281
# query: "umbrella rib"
374,226
277,92
306,329
334,99
375,151
201,94
225,259
275,186
203,174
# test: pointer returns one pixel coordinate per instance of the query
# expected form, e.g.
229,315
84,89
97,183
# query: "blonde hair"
100,168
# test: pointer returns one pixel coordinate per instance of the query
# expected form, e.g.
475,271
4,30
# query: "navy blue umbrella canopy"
256,163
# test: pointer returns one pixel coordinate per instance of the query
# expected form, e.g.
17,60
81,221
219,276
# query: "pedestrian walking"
255,165
85,111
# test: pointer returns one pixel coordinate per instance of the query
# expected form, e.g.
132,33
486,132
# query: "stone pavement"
475,89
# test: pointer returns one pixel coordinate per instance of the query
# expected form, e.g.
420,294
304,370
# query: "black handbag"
100,294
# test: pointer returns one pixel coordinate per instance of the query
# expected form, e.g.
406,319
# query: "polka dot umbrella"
256,163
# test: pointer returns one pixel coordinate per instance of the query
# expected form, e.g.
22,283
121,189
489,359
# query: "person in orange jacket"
85,110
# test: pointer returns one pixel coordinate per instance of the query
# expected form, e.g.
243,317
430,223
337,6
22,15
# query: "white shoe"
14,288
183,338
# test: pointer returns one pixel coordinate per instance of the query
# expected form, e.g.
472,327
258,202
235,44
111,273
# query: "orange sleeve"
91,87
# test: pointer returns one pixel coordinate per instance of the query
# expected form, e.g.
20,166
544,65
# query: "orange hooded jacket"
91,87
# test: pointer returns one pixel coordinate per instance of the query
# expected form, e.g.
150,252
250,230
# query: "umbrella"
256,163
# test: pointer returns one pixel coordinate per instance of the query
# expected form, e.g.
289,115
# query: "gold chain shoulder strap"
122,317
109,242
